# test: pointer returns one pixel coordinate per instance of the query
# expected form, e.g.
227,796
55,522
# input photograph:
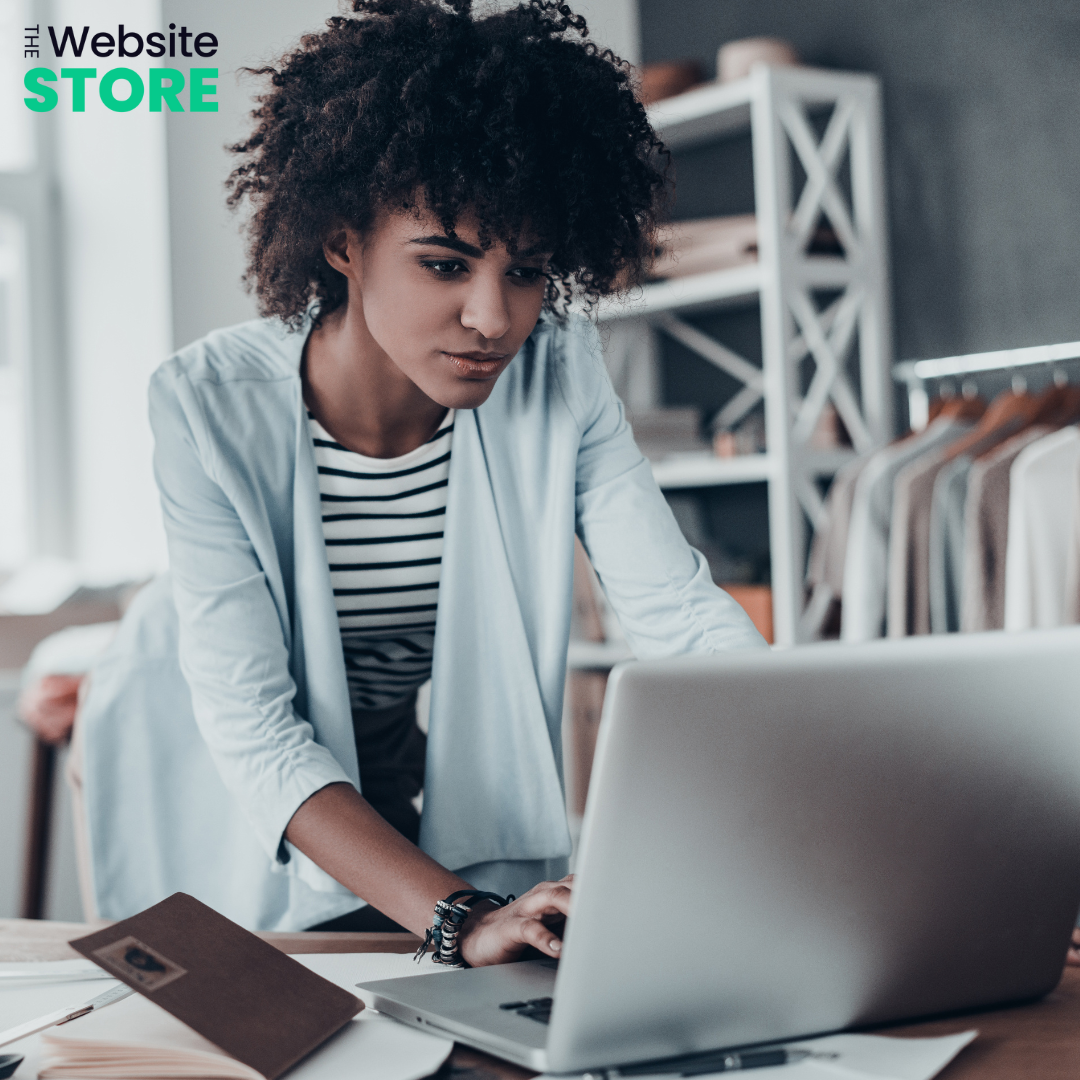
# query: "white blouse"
383,524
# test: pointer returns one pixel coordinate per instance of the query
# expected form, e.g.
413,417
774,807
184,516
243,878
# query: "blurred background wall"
982,148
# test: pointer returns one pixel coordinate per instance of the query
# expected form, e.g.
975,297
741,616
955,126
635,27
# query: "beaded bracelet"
450,915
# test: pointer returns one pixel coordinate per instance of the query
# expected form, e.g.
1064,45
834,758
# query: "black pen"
749,1059
703,1064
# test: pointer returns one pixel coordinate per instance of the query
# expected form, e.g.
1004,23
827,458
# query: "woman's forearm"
339,831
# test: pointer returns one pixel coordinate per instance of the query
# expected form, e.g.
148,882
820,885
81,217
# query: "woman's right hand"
500,935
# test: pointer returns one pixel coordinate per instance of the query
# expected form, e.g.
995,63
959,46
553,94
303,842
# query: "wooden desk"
1032,1042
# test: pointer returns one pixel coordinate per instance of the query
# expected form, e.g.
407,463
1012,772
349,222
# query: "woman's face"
448,314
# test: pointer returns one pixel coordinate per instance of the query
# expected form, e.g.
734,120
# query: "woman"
414,427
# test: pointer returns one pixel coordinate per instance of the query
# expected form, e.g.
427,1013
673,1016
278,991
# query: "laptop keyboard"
538,1009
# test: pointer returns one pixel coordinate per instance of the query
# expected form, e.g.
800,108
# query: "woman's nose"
487,310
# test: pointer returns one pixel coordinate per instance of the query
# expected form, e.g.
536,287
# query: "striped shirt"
383,524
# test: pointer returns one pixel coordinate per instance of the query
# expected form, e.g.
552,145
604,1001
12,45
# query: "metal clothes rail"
916,374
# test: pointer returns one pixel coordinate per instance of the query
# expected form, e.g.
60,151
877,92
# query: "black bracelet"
450,915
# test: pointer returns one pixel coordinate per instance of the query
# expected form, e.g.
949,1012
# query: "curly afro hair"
514,116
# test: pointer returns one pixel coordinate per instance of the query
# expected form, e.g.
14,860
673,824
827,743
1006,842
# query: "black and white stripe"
383,524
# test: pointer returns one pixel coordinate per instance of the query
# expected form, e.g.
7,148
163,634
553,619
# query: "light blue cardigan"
261,675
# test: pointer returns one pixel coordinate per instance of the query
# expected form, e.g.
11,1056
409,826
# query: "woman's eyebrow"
453,244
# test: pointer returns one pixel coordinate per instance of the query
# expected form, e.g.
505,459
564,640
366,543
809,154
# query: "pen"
62,1016
749,1059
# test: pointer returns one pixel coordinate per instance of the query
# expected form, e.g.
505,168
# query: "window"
14,502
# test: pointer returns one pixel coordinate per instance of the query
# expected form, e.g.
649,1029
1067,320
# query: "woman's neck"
359,395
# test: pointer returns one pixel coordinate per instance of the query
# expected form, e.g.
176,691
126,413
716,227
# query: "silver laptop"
790,843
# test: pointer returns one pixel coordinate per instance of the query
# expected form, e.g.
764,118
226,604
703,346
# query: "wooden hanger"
1008,413
1054,408
960,408
1061,407
954,408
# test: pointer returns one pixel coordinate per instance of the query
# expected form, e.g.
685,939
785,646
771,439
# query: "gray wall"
207,253
982,146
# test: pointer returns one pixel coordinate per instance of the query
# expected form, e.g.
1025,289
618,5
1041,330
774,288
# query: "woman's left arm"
659,586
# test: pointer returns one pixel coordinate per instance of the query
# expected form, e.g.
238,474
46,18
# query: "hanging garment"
829,546
865,564
946,567
1043,496
948,528
909,542
912,536
986,531
980,547
1072,560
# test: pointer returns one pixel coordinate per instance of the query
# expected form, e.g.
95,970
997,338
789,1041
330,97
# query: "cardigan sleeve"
233,645
659,586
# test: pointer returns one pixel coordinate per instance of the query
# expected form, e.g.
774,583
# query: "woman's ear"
342,251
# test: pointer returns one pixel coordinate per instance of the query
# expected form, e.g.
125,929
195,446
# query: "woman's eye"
444,267
527,274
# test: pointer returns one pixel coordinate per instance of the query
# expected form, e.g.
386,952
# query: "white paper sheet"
858,1057
371,1047
50,971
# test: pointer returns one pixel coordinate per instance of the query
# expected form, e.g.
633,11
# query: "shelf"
825,125
703,469
722,288
596,655
827,462
709,112
738,284
717,110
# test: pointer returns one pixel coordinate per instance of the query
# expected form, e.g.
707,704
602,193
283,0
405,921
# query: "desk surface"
1033,1042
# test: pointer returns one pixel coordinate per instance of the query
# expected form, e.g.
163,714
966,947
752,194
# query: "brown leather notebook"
248,998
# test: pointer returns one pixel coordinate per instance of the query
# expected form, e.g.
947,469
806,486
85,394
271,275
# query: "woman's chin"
461,393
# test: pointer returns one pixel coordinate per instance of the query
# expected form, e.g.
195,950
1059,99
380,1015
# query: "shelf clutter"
972,521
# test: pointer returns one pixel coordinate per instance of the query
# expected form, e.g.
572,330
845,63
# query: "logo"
160,87
136,962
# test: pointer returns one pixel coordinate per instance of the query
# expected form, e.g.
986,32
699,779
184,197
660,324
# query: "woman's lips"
477,365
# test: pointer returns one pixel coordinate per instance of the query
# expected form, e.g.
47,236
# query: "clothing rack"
918,374
971,523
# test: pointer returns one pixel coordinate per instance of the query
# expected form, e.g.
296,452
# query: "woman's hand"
499,935
1073,955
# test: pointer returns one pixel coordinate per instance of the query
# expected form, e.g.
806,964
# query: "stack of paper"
109,1043
135,1039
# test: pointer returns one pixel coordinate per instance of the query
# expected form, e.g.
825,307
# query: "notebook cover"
248,998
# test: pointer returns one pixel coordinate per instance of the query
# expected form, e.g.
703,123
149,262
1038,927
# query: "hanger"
1054,408
1068,411
1065,409
1008,413
961,408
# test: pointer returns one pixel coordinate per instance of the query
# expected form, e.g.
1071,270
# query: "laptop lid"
783,843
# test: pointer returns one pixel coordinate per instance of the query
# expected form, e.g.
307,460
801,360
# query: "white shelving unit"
832,309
